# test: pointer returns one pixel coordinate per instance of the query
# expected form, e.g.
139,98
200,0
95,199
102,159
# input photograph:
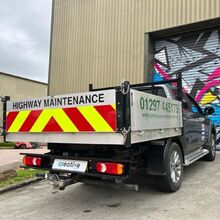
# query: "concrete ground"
198,198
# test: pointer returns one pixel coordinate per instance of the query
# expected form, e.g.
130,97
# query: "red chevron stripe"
108,113
10,118
78,119
30,120
52,126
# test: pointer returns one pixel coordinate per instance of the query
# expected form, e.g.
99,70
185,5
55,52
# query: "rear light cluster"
110,168
32,161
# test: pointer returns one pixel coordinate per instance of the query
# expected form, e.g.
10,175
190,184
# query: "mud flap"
156,160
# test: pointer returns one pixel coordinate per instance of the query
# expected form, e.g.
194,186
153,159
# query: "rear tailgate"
74,118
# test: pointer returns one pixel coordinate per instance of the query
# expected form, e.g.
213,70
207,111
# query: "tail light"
32,161
110,168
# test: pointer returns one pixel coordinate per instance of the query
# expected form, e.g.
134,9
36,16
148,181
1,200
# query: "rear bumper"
48,160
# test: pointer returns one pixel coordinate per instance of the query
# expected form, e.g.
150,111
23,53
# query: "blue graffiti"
157,77
215,117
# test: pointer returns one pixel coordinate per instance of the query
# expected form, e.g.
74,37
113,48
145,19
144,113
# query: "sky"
25,38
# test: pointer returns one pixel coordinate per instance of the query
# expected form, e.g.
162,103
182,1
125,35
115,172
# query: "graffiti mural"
197,57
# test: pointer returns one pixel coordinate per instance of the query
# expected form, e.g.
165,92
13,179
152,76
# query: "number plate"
70,165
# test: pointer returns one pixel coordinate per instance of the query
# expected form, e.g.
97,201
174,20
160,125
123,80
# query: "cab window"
156,91
192,105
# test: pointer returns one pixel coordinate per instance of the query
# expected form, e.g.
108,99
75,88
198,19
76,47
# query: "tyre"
211,147
23,146
172,180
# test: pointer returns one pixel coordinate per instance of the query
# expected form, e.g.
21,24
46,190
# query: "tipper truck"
105,135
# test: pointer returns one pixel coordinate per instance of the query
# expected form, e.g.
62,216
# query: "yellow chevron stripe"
89,112
19,120
63,120
7,113
114,106
42,120
60,117
94,119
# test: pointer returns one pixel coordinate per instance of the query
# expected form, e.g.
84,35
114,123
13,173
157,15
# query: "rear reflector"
32,161
110,168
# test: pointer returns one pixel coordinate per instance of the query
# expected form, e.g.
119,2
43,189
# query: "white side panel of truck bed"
154,117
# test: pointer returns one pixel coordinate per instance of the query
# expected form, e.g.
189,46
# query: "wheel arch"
156,157
177,141
171,181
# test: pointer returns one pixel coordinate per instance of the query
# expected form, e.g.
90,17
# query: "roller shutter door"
197,57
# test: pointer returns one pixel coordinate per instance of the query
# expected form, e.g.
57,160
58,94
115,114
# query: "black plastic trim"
4,100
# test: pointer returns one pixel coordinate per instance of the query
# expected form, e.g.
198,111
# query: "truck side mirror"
209,110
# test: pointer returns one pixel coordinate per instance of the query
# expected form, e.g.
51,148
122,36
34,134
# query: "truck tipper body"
109,133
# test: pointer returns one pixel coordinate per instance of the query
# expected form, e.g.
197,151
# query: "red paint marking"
78,119
30,120
52,126
10,118
108,113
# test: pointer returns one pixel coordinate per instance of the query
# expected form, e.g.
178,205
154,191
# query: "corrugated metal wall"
102,41
19,88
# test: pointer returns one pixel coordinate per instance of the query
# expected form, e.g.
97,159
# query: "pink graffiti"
214,75
166,76
206,88
162,73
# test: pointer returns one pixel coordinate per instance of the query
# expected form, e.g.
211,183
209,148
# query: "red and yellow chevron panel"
100,118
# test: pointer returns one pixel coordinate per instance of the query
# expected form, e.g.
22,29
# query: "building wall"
102,41
19,88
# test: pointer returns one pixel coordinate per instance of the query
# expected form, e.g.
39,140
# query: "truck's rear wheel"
172,180
211,147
